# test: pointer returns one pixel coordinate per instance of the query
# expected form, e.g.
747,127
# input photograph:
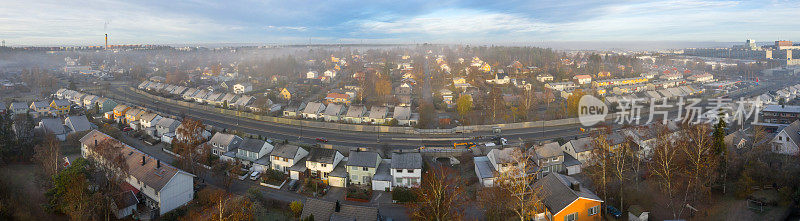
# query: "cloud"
285,28
455,21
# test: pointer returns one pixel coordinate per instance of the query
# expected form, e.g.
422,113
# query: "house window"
594,210
364,168
571,217
322,165
399,170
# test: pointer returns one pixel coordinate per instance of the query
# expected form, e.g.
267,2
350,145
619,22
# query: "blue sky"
58,22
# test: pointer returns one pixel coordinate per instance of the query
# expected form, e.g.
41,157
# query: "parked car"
613,211
126,129
255,175
293,185
322,139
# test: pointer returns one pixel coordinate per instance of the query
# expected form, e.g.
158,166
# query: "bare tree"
517,181
48,153
440,196
191,132
665,167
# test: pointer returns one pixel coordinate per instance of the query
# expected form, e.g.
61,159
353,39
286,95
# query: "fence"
358,127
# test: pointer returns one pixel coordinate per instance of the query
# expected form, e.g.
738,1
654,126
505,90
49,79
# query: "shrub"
403,195
297,207
273,177
359,193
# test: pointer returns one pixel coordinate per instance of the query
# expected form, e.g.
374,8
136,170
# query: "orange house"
566,200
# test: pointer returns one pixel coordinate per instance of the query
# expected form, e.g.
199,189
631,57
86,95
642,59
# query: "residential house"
382,179
40,108
200,96
406,169
447,97
286,156
163,186
287,93
583,79
148,122
311,75
166,125
242,88
59,107
214,98
243,101
19,108
361,166
377,115
403,116
132,117
322,161
313,110
500,77
189,94
143,85
77,124
120,111
199,133
355,114
320,209
55,127
124,204
787,140
221,143
260,104
333,112
549,157
544,77
337,98
580,149
329,73
178,91
228,100
89,101
566,199
252,150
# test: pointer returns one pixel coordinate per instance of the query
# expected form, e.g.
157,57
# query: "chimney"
158,163
143,161
338,206
95,142
576,186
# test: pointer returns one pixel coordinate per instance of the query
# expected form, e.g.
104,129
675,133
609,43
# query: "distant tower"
4,43
106,47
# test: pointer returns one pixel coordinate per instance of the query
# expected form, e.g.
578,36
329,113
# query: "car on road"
126,129
613,211
255,175
322,139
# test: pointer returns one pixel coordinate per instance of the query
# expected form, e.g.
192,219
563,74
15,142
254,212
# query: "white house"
377,115
787,140
406,169
166,125
330,73
242,88
580,149
286,156
355,114
311,74
253,149
222,143
333,112
313,110
163,186
322,161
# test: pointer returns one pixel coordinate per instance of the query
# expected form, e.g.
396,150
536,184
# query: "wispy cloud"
455,21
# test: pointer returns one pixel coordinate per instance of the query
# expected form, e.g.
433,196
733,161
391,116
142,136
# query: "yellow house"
286,93
459,80
133,115
566,199
59,107
120,111
486,67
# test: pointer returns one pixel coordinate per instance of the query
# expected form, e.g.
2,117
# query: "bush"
358,193
297,207
403,195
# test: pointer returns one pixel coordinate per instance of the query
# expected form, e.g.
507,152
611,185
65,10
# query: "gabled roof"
326,210
558,194
378,112
150,174
333,110
484,167
252,145
149,116
285,151
402,113
223,139
168,123
582,144
548,150
322,155
78,123
363,159
40,104
313,108
793,130
53,125
406,161
502,156
383,172
355,111
60,103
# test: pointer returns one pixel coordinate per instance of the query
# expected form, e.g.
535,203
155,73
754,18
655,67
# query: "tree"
439,197
186,146
464,105
48,154
296,207
572,102
517,181
231,207
8,146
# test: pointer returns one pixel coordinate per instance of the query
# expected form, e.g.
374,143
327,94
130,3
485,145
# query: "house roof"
782,108
78,123
313,108
299,166
40,104
548,150
570,161
582,144
53,125
558,194
355,111
402,113
363,159
502,155
383,172
149,116
285,151
252,145
149,173
333,110
125,199
484,167
61,102
224,139
326,210
376,112
322,155
168,123
339,171
337,96
793,130
19,105
406,161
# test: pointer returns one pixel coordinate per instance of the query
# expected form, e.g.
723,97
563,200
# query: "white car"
255,175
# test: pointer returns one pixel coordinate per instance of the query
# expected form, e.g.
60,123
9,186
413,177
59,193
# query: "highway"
334,137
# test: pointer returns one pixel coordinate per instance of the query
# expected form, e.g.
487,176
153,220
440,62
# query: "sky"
59,22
